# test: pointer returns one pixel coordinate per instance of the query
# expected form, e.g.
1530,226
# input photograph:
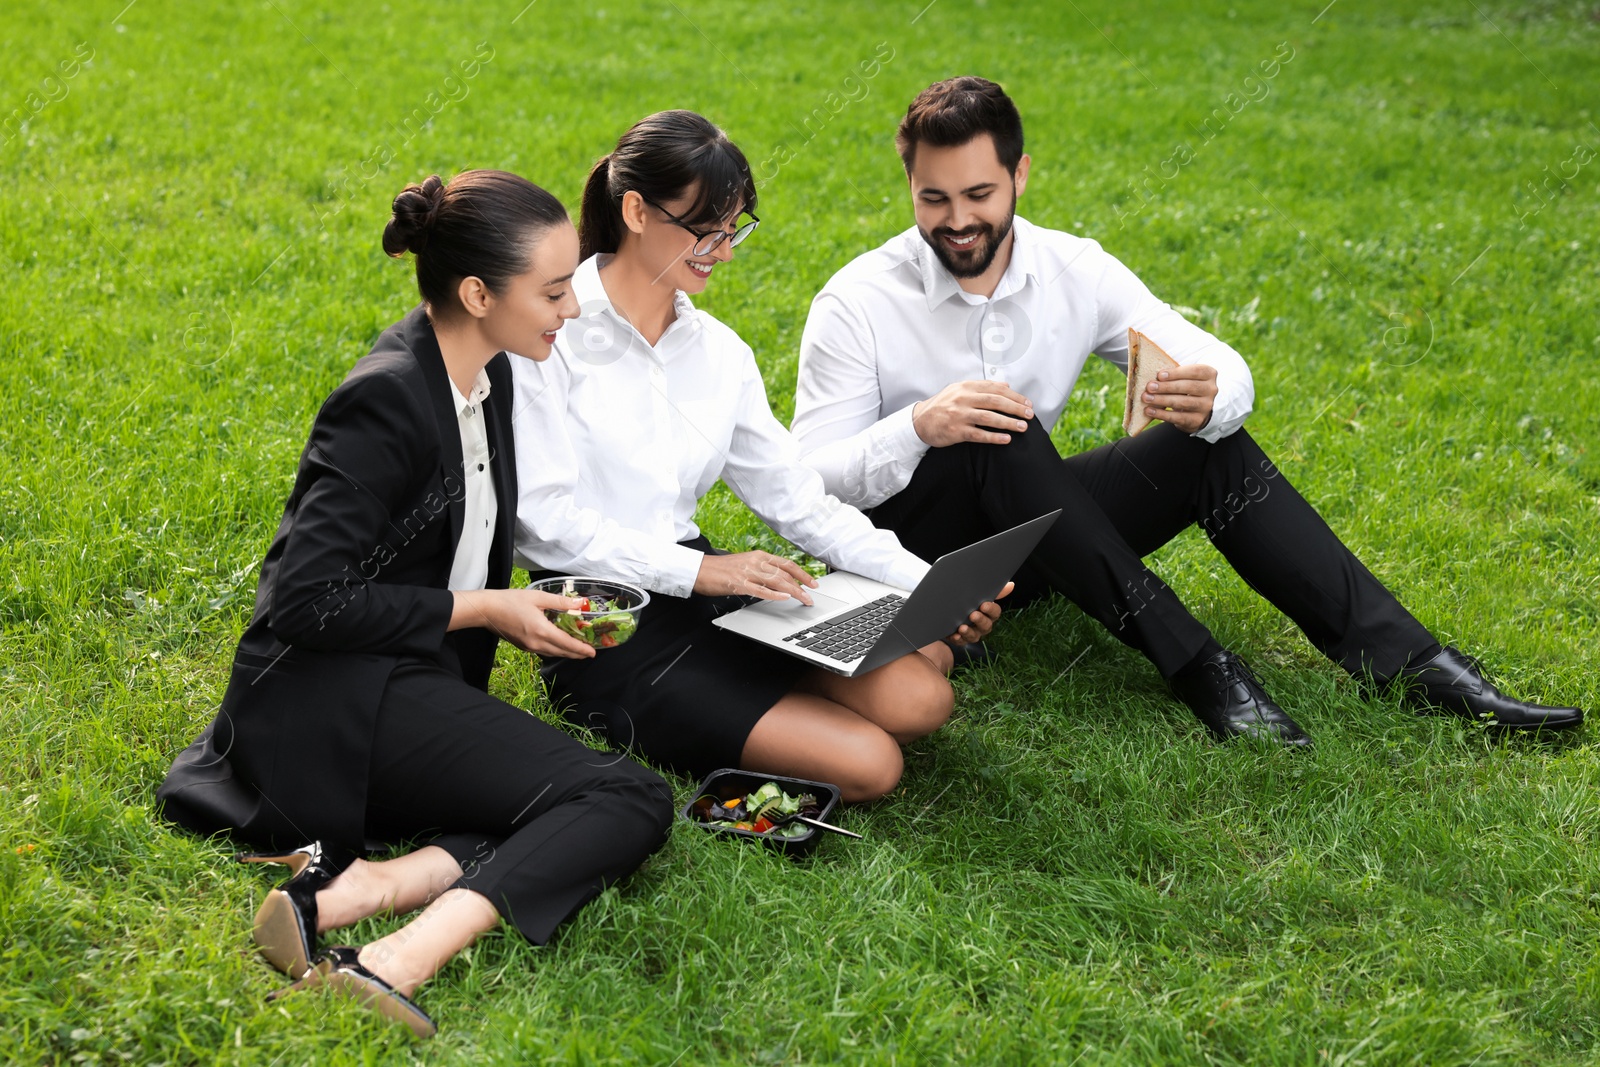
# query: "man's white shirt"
894,327
617,440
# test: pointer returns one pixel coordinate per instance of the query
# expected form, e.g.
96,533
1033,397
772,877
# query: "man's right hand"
985,412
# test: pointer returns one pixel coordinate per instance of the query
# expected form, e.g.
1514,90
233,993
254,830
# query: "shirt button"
480,466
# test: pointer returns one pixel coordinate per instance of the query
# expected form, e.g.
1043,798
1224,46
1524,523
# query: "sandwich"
1145,361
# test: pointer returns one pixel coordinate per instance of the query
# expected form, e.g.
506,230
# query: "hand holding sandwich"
1189,390
1159,387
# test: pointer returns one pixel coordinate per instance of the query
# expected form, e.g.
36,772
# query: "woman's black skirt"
682,693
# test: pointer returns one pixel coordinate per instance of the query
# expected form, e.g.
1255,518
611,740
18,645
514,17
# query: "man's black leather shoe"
1453,683
1227,697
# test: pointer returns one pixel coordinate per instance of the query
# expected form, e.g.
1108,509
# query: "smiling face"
667,249
525,317
965,200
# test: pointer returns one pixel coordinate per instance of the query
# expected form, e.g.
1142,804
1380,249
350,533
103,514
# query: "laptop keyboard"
848,637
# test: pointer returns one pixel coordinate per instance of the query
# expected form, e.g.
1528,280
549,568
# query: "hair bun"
416,210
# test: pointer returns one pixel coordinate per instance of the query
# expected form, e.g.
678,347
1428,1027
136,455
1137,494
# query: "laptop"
856,624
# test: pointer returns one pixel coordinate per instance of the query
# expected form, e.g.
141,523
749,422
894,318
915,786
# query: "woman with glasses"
646,403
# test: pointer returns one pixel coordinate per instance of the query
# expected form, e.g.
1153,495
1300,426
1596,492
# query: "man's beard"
975,260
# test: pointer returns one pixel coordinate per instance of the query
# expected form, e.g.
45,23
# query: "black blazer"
354,582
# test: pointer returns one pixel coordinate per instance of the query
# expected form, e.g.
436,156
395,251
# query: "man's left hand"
980,622
1189,391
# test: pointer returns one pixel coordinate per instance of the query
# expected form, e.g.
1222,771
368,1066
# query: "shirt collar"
474,397
586,287
939,285
1024,254
592,299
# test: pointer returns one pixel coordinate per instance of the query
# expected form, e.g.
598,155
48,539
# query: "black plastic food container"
727,784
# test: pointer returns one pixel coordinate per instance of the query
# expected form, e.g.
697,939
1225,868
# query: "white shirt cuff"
900,438
1228,412
679,567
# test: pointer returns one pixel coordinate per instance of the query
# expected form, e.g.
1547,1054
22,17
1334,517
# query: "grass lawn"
1398,229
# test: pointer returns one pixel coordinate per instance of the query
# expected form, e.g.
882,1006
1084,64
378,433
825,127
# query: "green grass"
1070,872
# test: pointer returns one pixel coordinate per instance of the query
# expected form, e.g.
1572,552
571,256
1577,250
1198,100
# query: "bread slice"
1145,361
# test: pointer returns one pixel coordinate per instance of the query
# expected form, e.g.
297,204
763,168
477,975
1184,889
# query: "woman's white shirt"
470,567
617,440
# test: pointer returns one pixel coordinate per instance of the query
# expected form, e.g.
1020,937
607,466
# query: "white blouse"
617,440
470,570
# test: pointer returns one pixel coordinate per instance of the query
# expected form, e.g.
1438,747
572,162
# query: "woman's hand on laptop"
757,574
980,622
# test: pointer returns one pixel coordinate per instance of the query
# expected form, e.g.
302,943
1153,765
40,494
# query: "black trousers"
1126,499
539,823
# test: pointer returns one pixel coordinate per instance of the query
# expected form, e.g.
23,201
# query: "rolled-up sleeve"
1126,302
863,459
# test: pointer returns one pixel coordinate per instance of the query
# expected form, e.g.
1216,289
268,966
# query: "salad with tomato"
601,621
760,812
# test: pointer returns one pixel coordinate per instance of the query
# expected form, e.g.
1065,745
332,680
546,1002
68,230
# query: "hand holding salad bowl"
603,613
520,617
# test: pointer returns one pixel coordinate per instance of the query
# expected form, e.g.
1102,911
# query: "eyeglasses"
706,241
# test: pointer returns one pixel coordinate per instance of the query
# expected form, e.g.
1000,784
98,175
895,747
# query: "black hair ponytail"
663,157
600,220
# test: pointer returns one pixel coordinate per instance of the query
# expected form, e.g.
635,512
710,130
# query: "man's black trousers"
1126,499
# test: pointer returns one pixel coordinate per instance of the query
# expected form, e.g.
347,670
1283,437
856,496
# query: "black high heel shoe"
286,924
340,968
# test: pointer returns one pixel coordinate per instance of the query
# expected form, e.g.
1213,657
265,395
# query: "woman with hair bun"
356,714
647,402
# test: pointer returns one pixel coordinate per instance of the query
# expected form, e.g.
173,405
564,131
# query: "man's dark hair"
953,112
